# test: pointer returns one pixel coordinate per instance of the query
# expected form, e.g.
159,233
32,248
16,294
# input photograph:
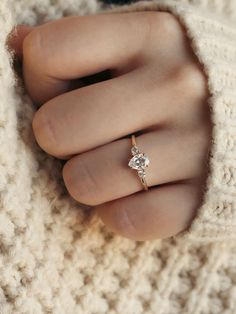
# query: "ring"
139,162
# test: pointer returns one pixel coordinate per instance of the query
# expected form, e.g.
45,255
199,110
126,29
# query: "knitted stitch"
51,262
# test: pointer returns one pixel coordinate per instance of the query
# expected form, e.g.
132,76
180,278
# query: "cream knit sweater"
51,261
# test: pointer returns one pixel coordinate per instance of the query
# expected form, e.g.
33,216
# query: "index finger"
79,46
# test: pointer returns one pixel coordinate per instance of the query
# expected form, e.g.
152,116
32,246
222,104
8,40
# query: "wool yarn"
51,260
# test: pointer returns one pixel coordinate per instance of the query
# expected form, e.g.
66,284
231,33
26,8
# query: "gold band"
133,139
144,183
137,155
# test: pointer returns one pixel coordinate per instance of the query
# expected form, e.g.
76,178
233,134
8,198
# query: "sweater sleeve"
213,40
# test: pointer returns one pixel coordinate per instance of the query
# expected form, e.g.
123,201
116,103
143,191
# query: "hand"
157,88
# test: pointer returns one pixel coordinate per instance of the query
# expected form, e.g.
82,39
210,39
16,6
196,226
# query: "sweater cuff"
213,40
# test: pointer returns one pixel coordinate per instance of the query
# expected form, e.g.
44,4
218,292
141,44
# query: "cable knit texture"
51,261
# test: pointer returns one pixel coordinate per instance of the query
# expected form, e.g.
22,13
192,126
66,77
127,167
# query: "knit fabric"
51,261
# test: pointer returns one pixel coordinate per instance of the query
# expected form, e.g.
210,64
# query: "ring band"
139,162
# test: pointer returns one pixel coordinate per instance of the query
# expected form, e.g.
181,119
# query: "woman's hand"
157,90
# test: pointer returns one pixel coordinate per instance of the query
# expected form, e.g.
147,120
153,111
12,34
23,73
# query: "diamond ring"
139,162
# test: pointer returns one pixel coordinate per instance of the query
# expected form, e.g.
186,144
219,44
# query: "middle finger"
95,115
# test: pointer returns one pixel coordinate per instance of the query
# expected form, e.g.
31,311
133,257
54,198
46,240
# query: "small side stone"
134,150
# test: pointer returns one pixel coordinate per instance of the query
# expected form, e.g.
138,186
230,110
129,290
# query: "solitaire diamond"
139,162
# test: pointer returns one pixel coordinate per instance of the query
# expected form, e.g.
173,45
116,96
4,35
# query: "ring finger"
102,174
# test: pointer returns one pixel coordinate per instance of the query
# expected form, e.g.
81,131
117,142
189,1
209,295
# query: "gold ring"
139,162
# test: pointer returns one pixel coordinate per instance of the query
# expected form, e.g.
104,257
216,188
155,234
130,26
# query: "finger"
16,38
156,214
80,46
97,114
102,175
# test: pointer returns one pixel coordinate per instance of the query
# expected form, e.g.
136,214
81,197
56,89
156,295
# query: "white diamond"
141,173
134,150
139,162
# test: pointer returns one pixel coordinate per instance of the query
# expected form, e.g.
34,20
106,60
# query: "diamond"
139,162
141,173
134,150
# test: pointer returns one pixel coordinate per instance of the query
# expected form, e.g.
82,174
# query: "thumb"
16,37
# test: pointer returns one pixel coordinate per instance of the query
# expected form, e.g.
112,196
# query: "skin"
157,89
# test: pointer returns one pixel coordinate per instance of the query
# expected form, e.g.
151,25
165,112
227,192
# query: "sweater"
51,259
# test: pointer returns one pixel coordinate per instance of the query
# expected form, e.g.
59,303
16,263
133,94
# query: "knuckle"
169,24
192,79
150,20
165,22
150,26
168,30
45,132
153,21
80,181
